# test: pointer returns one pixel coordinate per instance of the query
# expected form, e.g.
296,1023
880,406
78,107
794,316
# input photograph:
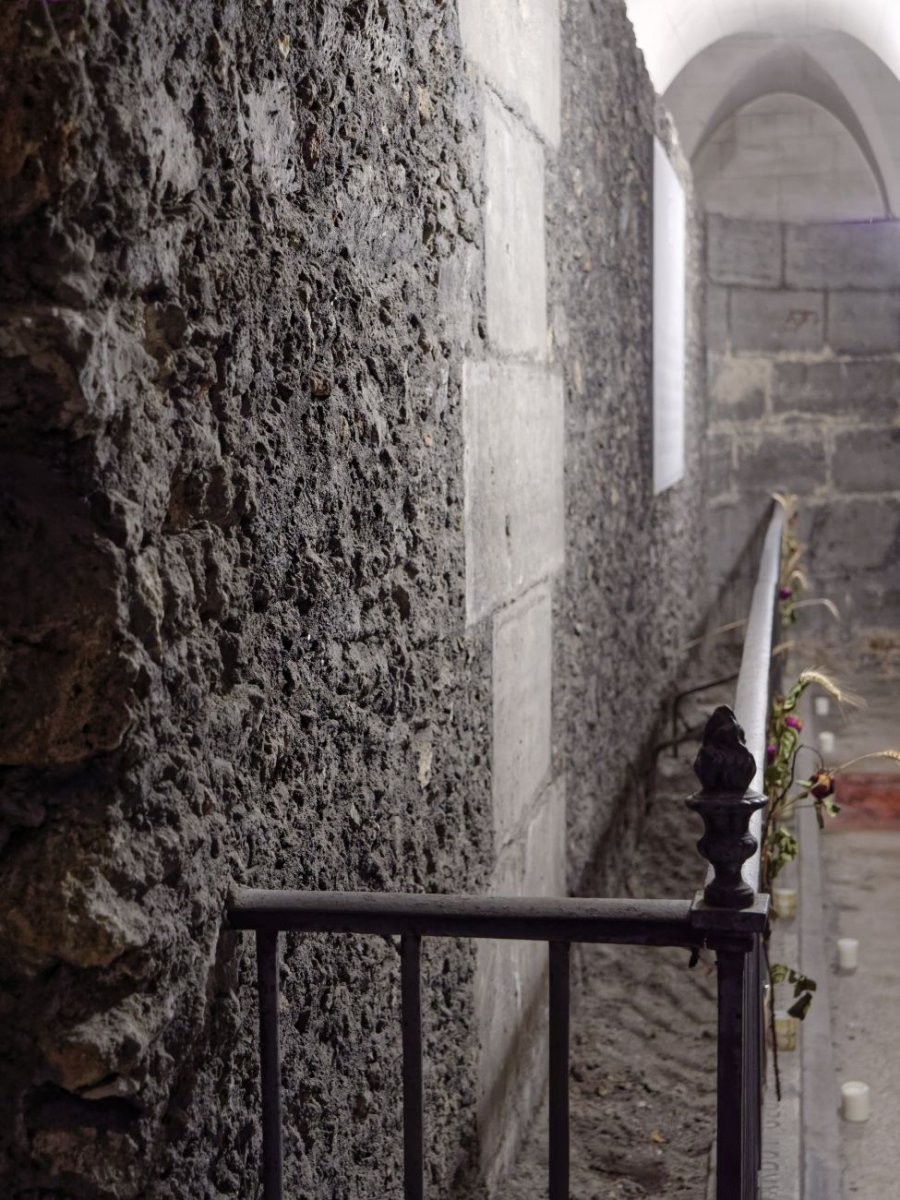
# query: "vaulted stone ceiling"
672,32
710,58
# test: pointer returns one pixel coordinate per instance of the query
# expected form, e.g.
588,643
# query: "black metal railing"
728,917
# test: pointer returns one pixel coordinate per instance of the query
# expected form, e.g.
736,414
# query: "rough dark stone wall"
239,246
235,241
626,606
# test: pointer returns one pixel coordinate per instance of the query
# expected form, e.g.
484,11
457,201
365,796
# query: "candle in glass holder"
785,1030
785,902
855,1101
848,954
822,706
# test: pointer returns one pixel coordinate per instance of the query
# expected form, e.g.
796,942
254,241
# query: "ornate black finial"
724,764
726,769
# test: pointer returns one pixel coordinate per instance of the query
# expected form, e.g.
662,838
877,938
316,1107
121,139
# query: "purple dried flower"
785,593
793,723
822,785
771,752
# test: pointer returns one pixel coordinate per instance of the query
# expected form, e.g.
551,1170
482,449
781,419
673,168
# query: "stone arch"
832,70
792,69
673,32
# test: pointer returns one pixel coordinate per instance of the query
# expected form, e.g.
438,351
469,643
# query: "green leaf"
786,844
803,984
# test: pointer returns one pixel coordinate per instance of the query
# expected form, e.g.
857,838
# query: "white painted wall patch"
669,292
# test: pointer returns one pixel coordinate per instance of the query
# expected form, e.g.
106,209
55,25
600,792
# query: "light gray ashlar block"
737,387
522,690
716,318
853,254
854,535
793,462
764,320
514,505
517,45
867,460
511,985
515,255
864,322
865,389
746,253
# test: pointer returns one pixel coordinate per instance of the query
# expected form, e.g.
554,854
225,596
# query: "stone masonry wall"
241,272
631,592
333,562
804,384
515,536
558,430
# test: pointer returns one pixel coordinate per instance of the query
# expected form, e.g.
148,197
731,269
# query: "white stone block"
511,987
516,43
545,845
515,256
511,1003
534,864
669,320
514,506
522,690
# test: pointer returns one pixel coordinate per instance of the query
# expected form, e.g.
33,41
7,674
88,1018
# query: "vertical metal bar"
270,1064
755,1037
730,1175
559,1071
748,1115
413,1097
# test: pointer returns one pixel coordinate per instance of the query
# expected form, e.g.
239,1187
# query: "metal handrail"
559,922
630,922
751,703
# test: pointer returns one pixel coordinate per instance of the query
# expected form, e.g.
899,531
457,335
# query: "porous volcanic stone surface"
632,583
240,252
237,245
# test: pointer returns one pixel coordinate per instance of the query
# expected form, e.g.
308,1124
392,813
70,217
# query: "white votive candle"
785,901
856,1102
826,742
848,954
822,706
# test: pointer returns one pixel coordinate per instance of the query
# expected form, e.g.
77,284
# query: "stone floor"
849,883
862,873
642,1088
850,887
861,876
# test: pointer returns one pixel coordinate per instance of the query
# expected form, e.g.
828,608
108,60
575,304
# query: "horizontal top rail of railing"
632,922
752,696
